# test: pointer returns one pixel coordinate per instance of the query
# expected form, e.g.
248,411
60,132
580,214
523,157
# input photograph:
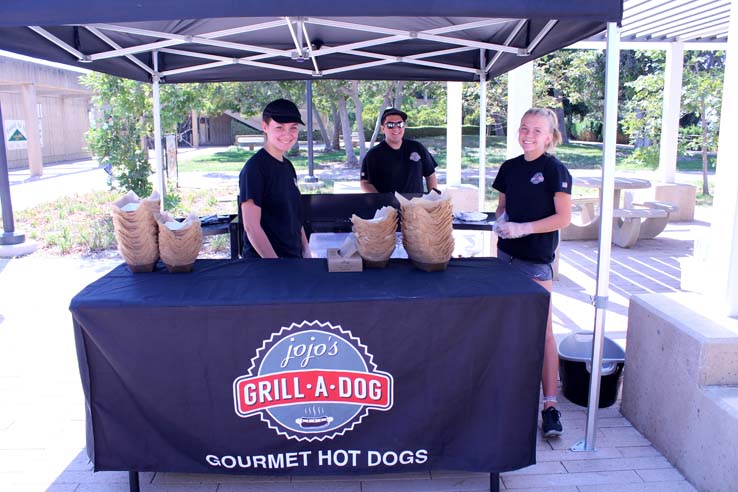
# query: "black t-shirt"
272,185
529,189
399,170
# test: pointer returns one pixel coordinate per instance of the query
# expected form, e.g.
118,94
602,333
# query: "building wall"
63,109
215,130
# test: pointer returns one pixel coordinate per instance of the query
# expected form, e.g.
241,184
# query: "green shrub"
99,236
430,131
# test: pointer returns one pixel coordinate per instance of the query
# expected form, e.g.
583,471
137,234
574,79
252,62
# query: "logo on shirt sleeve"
564,184
537,178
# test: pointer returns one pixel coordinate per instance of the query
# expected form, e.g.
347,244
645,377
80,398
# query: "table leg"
494,482
615,198
133,485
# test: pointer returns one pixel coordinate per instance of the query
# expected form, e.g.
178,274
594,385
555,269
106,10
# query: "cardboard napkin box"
338,263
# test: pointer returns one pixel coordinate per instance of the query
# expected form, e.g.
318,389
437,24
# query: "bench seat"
629,213
585,223
249,141
586,208
629,222
652,227
637,221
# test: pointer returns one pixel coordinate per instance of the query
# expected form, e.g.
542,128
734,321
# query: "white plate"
470,216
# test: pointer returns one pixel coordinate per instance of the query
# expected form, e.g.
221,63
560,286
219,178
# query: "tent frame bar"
61,44
115,45
520,25
298,27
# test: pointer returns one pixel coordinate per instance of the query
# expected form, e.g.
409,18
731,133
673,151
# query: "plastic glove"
502,219
514,230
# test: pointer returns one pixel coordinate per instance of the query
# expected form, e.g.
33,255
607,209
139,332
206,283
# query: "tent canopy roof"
674,21
222,40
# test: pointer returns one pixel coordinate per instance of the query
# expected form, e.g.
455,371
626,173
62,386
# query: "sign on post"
170,154
15,134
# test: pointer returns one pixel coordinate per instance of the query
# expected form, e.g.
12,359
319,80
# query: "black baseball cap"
282,111
391,111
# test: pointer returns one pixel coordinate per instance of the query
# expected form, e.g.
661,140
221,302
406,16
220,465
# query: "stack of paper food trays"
179,242
136,230
375,238
427,230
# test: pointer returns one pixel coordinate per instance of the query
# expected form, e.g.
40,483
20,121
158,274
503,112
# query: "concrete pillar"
195,130
68,145
453,133
722,263
463,197
671,110
519,100
30,115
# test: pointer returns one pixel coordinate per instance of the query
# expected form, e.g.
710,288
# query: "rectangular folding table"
278,367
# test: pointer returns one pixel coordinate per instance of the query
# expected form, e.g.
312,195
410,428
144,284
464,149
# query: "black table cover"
279,367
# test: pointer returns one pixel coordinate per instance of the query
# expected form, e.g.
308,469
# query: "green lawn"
233,159
575,156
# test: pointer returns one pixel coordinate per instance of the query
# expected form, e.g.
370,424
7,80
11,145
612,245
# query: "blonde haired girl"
534,203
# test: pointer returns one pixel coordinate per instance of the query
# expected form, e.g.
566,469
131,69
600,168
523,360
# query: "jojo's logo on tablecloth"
312,381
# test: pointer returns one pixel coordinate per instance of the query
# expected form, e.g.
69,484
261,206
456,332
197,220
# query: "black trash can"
575,366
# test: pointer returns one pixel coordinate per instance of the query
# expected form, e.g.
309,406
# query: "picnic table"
631,221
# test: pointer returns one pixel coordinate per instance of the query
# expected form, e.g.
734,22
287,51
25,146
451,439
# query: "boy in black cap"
397,164
270,200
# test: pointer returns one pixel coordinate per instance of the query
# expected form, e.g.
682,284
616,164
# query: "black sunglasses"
392,124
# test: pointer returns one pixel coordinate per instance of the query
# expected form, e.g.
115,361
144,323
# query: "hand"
306,253
514,230
502,219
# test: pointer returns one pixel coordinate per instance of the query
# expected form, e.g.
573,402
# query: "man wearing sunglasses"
397,164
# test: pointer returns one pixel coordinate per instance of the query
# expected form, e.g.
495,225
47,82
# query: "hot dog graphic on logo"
318,421
312,381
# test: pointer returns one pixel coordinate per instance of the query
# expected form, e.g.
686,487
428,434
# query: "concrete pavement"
57,180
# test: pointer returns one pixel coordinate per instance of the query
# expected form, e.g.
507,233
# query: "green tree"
702,96
565,81
496,111
123,106
125,121
641,101
336,95
641,114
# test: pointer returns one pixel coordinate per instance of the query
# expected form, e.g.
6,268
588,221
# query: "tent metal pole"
482,130
133,482
309,97
161,179
612,73
9,235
